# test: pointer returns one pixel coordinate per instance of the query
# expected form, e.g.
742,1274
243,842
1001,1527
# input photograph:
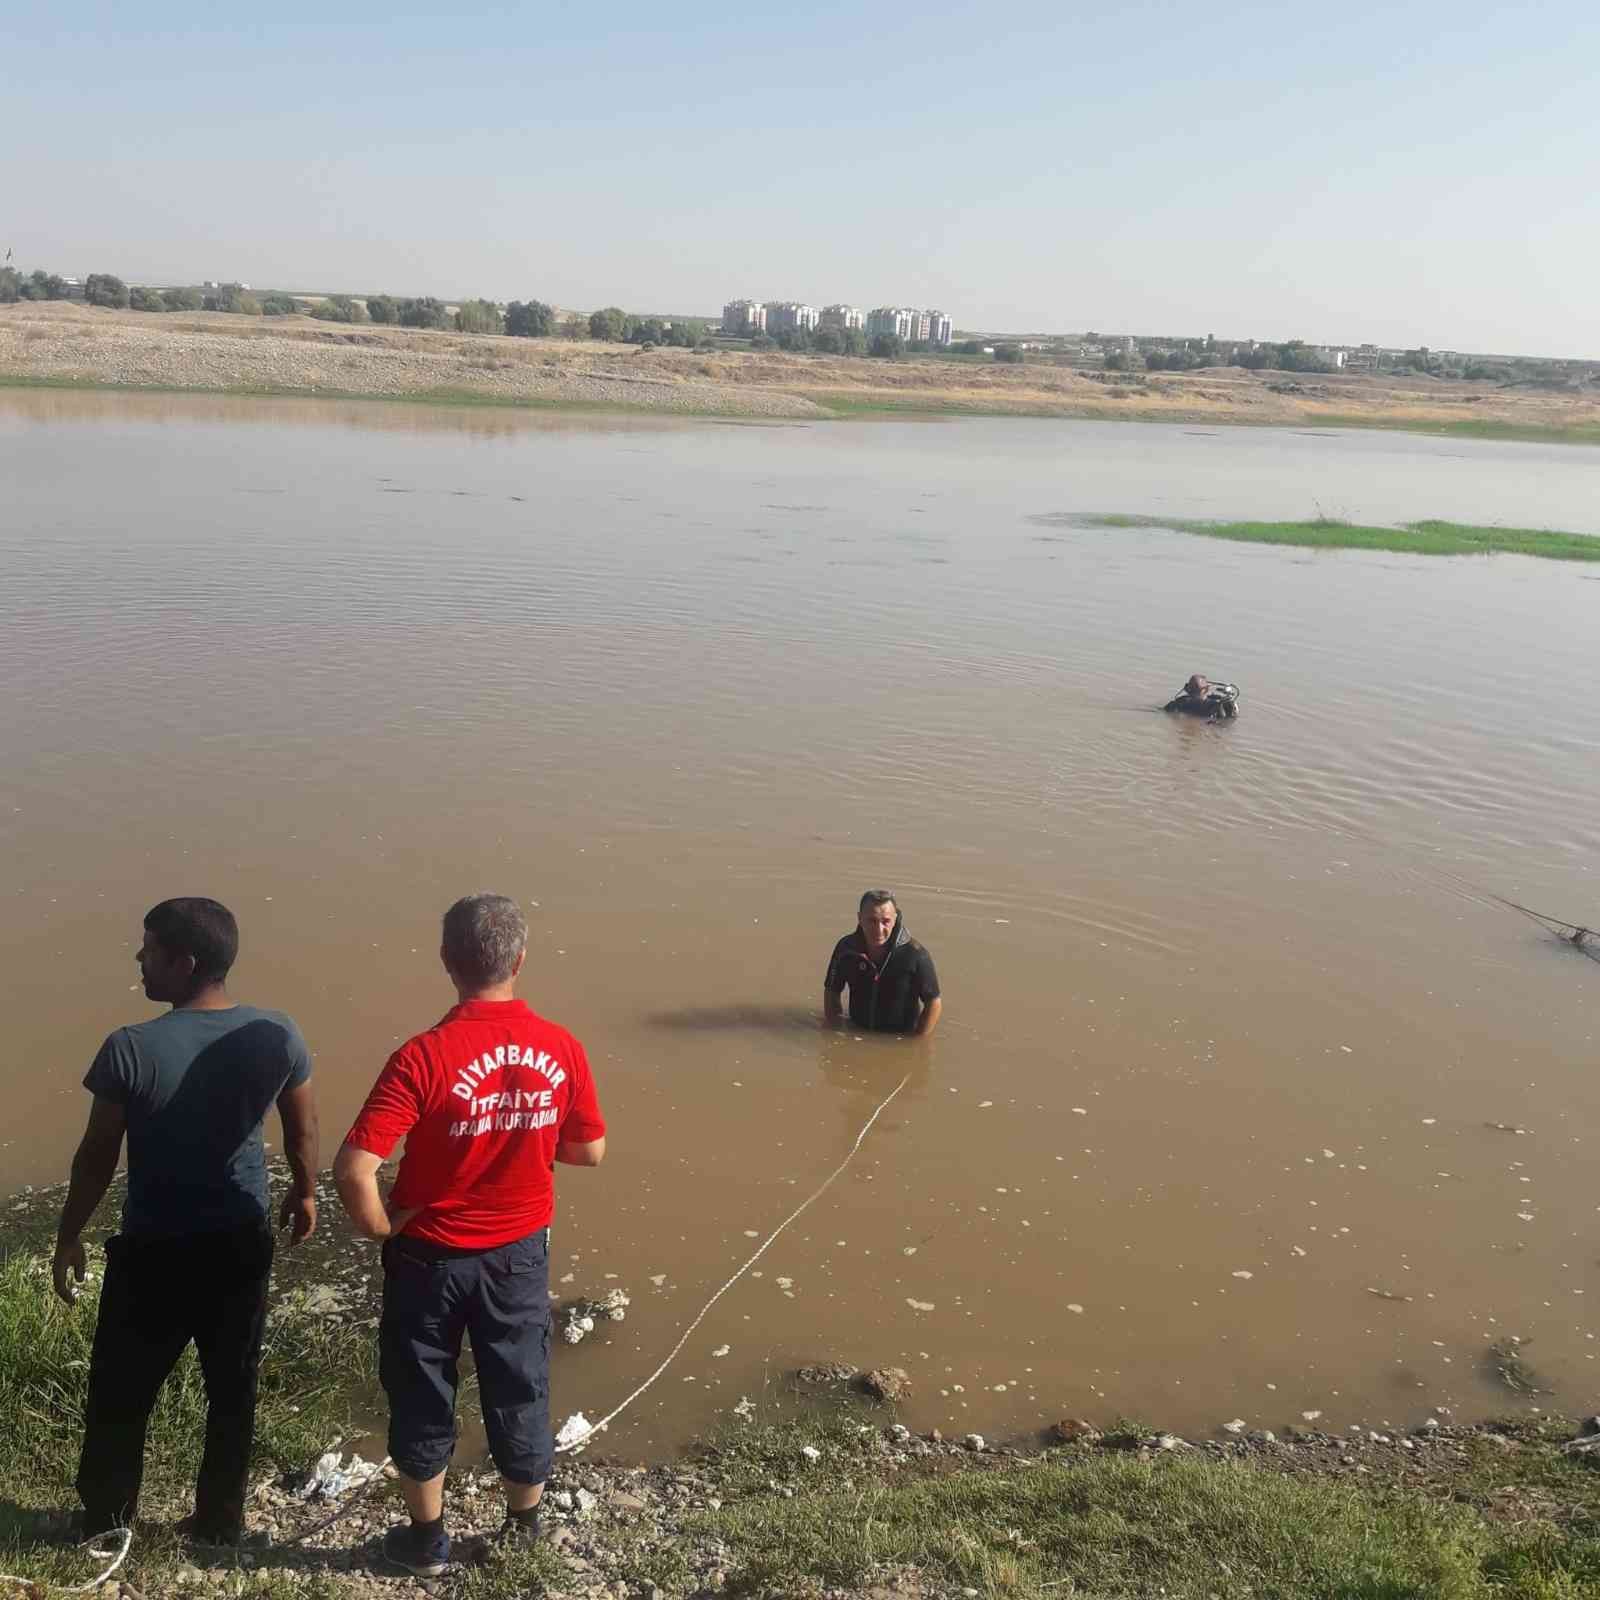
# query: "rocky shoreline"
610,1525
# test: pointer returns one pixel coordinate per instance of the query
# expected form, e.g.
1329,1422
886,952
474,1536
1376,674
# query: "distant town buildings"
746,318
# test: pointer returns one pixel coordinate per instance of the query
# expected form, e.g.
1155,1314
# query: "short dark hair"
878,897
484,937
203,929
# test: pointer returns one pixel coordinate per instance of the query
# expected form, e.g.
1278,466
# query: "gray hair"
484,938
878,897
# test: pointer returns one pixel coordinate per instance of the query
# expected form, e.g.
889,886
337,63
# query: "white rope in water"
761,1250
37,1585
672,1355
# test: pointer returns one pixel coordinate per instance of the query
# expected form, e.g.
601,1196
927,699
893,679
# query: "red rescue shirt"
482,1100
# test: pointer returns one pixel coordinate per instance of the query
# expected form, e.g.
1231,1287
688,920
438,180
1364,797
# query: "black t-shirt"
195,1087
886,998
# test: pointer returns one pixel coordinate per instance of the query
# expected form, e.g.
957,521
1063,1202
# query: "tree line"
527,319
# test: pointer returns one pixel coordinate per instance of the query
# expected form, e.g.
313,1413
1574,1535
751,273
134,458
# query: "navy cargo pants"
500,1299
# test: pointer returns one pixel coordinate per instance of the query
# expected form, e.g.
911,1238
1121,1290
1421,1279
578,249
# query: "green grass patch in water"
1427,538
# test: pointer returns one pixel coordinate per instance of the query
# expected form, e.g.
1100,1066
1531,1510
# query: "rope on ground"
761,1250
616,1411
38,1585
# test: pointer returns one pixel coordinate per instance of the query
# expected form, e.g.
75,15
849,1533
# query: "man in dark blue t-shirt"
190,1090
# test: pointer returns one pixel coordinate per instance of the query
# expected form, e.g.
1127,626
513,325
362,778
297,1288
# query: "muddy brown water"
1218,1121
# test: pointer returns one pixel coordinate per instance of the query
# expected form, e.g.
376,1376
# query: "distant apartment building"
787,316
940,329
744,316
1368,358
899,320
843,317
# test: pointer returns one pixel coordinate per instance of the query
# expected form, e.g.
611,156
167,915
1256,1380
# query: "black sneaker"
517,1534
197,1534
423,1555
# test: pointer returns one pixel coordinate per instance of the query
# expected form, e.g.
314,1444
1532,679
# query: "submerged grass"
1428,538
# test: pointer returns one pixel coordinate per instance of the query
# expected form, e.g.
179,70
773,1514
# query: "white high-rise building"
899,320
940,329
784,316
744,316
842,316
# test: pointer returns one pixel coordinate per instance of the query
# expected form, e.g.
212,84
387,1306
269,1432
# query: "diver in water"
1211,702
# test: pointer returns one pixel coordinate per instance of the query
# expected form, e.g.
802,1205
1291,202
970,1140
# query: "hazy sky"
1414,173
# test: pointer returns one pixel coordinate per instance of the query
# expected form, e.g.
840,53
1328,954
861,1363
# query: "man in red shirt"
487,1101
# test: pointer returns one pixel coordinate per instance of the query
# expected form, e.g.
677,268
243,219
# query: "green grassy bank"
312,1367
1507,1516
1119,403
1473,428
1429,538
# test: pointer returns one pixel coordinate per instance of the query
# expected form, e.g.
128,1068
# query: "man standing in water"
487,1101
190,1090
893,986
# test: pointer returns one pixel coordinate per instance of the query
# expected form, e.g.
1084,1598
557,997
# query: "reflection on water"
1241,1058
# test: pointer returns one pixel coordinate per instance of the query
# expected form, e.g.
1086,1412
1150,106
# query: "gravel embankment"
80,344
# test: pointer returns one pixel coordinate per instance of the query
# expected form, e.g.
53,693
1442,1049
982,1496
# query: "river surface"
1249,1102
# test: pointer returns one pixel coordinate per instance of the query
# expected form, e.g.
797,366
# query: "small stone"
973,1441
1170,1441
1236,1426
886,1383
562,1499
825,1372
810,1452
1263,1436
1074,1430
624,1501
935,1436
585,1502
1589,1425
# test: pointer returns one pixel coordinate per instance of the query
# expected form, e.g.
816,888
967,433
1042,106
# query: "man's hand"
299,1213
399,1219
70,1262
